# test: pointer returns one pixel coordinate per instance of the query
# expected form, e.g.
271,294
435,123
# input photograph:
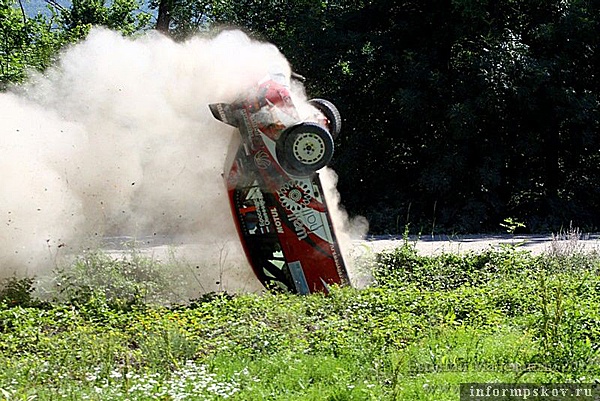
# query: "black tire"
331,113
304,148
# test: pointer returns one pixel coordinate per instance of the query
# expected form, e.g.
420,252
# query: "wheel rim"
309,148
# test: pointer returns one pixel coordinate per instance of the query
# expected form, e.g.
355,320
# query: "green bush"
16,291
449,271
130,279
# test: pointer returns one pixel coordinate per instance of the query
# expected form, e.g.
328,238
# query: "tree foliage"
33,42
120,15
24,42
458,113
181,19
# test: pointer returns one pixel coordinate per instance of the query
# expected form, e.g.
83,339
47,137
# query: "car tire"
304,148
331,113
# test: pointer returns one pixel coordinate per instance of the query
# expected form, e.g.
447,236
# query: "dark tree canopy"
457,113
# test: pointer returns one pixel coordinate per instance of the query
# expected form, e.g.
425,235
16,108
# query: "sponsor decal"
276,220
262,215
222,113
295,195
262,160
253,134
306,220
298,226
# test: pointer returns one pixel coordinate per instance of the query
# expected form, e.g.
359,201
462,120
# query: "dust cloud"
117,139
348,230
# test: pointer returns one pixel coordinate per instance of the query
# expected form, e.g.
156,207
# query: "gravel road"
222,266
536,244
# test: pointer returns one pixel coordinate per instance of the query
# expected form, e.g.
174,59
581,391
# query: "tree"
24,42
458,113
120,15
33,42
181,19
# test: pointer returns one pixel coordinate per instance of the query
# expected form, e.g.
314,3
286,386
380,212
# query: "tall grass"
425,325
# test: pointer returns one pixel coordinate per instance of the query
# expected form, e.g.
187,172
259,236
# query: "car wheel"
305,148
331,113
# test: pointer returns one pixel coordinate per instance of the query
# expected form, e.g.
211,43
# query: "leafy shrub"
17,291
404,267
566,323
132,279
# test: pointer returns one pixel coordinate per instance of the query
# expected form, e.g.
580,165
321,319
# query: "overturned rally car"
275,191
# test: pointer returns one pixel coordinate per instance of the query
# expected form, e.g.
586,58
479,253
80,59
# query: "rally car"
274,188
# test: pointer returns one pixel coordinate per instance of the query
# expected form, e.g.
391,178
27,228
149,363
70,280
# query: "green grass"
426,325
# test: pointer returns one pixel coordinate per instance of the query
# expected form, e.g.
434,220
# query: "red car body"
275,192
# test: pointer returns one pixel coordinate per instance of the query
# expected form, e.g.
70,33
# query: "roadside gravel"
536,244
